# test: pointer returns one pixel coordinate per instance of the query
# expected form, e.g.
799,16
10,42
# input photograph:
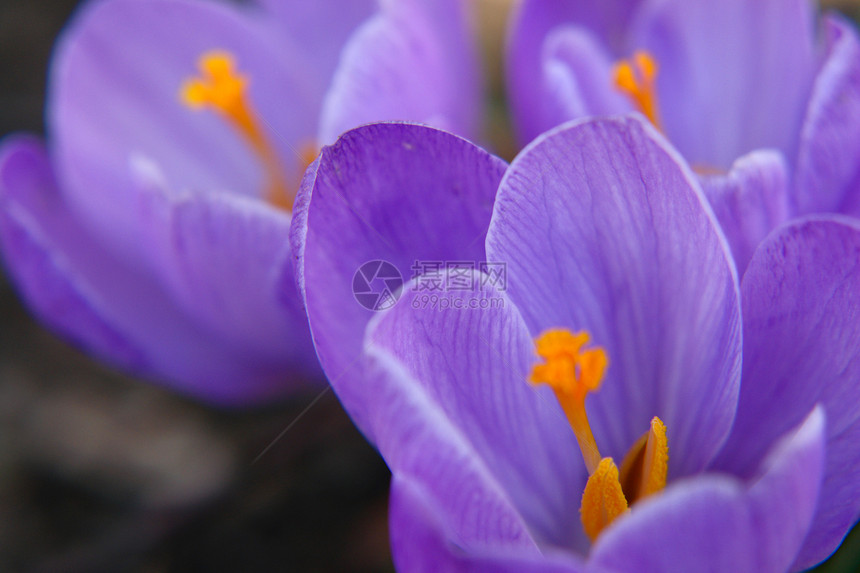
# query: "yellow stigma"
573,371
221,88
636,78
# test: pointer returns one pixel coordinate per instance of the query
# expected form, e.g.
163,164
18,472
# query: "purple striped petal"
603,229
419,542
395,192
801,302
827,177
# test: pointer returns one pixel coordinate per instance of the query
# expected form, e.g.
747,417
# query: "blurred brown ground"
101,472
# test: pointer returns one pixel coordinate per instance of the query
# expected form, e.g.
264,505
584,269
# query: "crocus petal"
721,524
577,78
320,28
115,102
413,61
101,301
733,74
827,175
750,201
801,299
604,229
531,25
464,381
395,192
219,256
419,542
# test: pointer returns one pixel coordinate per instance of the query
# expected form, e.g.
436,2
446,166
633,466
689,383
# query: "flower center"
635,78
573,371
221,88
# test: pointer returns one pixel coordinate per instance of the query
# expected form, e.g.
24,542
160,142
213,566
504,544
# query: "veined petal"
413,61
801,304
827,177
106,304
726,523
394,192
420,542
750,201
115,98
736,70
460,375
603,229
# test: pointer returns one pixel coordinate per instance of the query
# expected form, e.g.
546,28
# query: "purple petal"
801,295
320,28
413,61
419,542
750,201
577,78
531,25
463,372
219,257
719,524
115,102
735,70
105,303
828,162
603,229
395,192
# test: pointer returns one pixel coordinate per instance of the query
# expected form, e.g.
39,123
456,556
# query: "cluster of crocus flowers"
669,375
152,229
631,405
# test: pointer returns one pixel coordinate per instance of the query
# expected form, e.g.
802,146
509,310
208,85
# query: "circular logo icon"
376,285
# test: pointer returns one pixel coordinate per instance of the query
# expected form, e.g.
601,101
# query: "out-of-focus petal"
104,303
827,176
801,305
531,24
320,28
115,101
734,75
395,192
577,78
750,201
419,542
220,257
413,61
602,228
722,524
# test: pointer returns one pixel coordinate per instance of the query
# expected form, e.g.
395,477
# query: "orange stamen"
636,78
221,88
602,501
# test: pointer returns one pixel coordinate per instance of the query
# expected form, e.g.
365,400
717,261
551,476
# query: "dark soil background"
101,472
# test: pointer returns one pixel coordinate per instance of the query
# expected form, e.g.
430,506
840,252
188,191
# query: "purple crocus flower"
751,387
759,97
152,230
